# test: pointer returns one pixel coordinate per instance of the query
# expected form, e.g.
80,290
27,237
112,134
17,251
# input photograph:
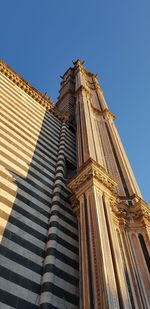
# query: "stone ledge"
91,170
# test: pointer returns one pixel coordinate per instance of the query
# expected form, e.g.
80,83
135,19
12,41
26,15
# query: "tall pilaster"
94,188
98,136
106,197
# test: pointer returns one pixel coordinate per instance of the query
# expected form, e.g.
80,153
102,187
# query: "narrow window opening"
72,128
145,251
70,170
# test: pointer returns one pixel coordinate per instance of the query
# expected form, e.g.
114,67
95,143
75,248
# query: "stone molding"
91,170
92,173
25,86
31,91
139,212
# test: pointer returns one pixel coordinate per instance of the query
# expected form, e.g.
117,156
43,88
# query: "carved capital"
139,210
92,173
120,209
136,215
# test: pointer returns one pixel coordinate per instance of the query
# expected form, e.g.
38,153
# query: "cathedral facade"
74,228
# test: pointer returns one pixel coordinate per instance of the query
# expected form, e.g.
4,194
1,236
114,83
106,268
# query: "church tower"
74,228
113,217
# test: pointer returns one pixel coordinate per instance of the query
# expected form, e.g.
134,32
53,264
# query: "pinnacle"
78,61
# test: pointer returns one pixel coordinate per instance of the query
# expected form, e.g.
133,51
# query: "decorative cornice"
138,212
92,171
25,86
31,91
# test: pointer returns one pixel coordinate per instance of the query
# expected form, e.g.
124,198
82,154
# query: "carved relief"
134,215
92,170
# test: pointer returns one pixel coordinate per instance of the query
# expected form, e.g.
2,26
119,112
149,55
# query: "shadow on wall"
26,190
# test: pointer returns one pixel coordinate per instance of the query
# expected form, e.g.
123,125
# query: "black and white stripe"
35,212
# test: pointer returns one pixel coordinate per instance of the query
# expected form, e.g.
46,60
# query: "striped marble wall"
38,231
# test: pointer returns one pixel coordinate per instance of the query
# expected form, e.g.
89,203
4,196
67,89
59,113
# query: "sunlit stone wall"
31,231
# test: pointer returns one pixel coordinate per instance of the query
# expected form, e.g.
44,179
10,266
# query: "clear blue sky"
40,38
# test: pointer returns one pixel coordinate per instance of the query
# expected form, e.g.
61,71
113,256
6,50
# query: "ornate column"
106,207
133,223
102,285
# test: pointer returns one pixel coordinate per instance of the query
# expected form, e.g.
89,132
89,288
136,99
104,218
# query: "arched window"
145,251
